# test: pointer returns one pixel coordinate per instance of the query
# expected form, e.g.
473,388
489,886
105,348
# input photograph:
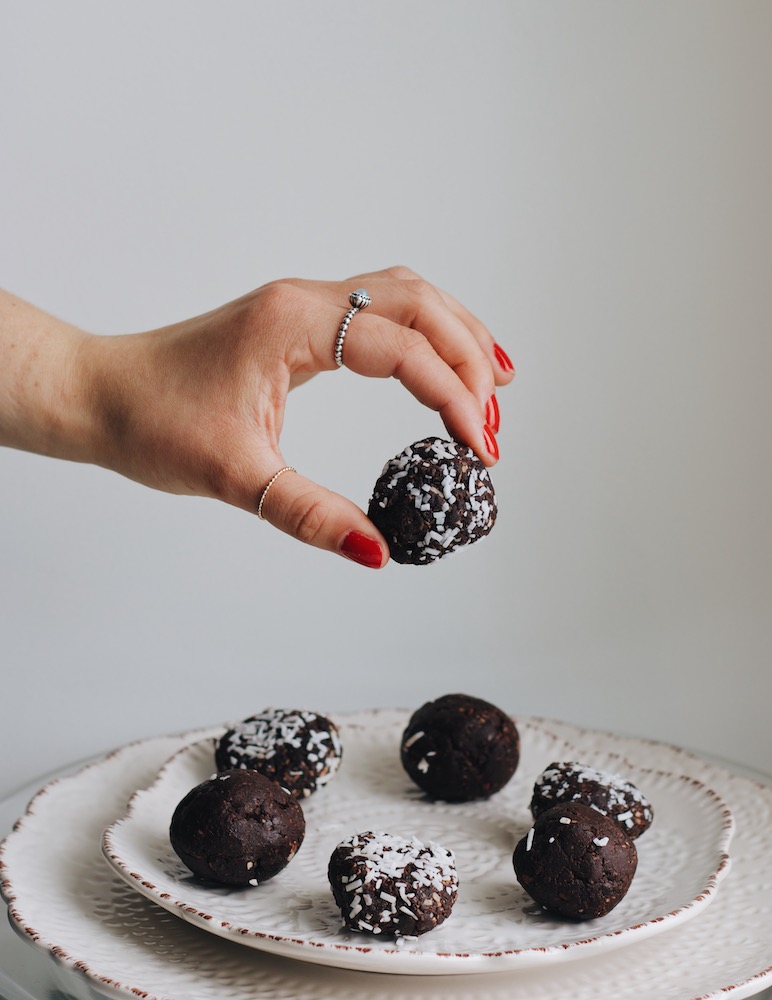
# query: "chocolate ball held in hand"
432,498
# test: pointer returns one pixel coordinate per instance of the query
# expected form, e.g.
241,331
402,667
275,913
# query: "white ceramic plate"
494,925
108,940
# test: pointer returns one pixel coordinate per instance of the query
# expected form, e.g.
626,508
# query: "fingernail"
492,415
361,549
503,359
490,441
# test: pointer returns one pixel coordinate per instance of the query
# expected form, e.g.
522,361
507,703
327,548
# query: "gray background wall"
592,179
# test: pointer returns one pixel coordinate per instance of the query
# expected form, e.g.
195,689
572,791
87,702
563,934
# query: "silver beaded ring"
359,300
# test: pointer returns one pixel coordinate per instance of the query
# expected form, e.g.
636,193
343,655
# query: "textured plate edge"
18,922
745,988
763,979
363,958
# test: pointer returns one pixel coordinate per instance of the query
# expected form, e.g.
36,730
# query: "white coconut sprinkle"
432,477
616,796
257,739
406,864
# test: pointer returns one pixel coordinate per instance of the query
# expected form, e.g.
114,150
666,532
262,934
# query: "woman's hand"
198,407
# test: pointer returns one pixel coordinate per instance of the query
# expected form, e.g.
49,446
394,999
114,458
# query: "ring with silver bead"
359,299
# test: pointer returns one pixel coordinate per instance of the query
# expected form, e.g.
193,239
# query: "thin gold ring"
271,481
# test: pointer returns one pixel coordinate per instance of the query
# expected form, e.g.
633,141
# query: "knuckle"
411,341
273,313
307,519
402,273
422,290
479,368
412,346
277,299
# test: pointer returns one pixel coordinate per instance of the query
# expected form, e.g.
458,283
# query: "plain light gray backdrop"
592,179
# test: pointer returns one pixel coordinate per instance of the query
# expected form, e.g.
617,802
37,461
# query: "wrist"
44,401
62,419
83,431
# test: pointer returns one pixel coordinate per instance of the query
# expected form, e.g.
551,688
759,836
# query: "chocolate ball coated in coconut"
431,499
608,793
298,748
392,885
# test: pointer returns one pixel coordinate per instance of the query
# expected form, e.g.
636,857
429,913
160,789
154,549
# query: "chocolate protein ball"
459,748
432,498
238,828
606,792
299,749
385,884
575,862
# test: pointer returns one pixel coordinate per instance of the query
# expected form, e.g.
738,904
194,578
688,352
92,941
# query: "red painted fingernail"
492,415
490,441
361,549
503,359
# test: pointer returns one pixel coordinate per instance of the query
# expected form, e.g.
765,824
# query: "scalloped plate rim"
400,959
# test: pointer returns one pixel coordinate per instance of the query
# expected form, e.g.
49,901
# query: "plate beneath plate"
107,940
494,925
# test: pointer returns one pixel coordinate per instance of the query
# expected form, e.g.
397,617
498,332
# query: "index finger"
379,348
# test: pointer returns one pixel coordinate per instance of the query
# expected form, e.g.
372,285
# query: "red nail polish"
490,441
503,359
361,549
492,415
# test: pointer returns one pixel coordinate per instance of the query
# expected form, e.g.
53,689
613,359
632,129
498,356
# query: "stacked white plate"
695,923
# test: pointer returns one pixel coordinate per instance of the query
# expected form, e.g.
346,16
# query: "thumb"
319,517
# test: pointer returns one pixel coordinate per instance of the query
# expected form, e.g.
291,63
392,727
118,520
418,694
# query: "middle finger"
418,305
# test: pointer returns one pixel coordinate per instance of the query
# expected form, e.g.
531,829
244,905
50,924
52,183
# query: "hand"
197,407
